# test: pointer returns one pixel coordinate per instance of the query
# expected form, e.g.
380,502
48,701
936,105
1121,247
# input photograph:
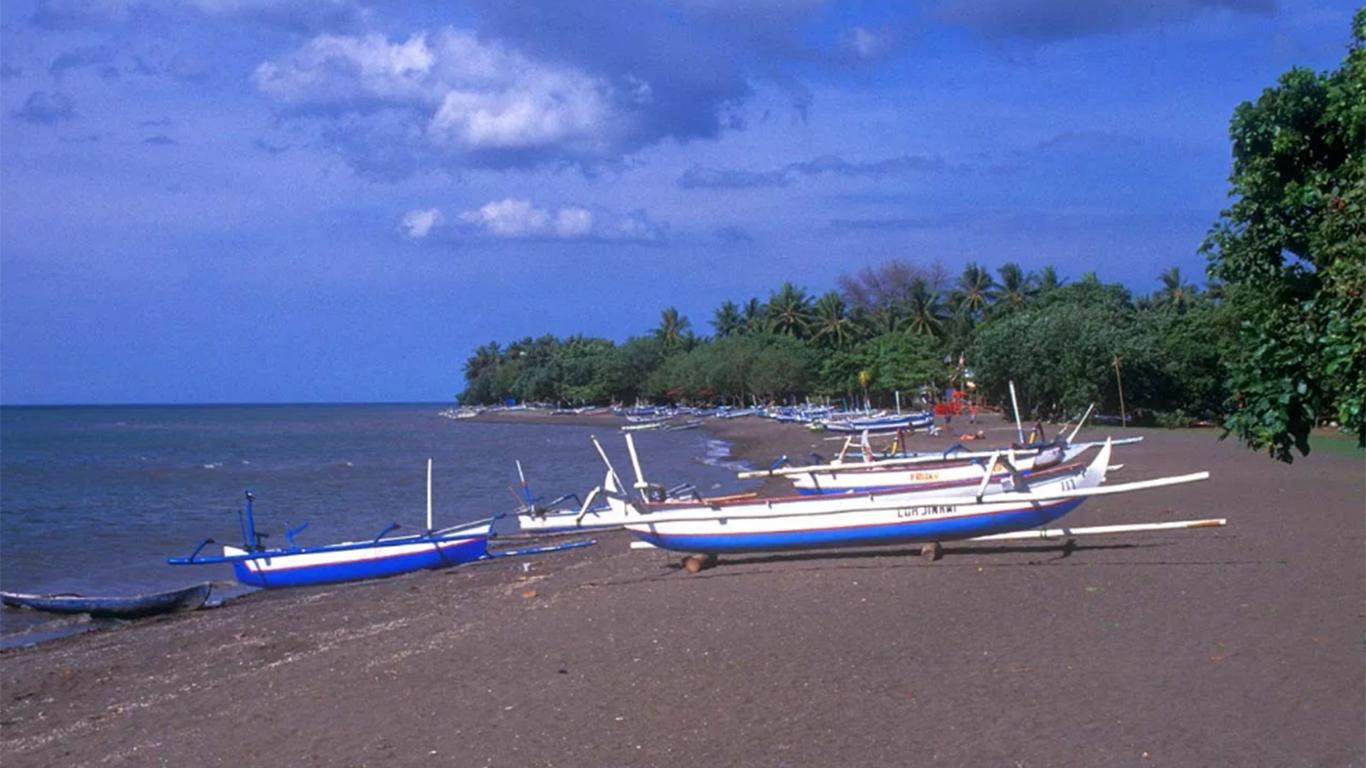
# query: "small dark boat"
130,607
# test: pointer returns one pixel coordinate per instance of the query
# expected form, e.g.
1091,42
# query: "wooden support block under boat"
932,551
698,563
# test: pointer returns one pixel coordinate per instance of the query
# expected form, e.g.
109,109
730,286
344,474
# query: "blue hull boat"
297,566
122,607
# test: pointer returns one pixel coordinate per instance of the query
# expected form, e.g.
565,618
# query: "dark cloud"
1088,140
699,177
159,122
43,107
90,138
98,56
1044,20
1082,148
268,148
160,141
733,235
887,224
9,71
698,59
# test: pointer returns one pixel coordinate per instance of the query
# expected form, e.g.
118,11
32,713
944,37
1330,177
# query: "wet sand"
1235,646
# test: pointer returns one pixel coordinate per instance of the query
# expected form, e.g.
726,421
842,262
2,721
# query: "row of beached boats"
858,499
1013,492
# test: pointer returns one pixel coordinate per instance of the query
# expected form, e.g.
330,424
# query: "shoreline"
612,656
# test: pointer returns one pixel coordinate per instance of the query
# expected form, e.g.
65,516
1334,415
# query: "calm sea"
93,499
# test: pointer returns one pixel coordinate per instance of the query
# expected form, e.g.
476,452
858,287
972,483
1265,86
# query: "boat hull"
131,607
328,567
909,524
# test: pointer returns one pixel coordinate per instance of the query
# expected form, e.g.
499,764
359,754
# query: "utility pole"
1119,382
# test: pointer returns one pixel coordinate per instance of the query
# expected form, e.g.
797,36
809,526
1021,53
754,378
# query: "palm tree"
671,327
884,318
1175,295
833,324
974,291
484,357
1049,280
727,320
752,316
789,311
1016,289
924,308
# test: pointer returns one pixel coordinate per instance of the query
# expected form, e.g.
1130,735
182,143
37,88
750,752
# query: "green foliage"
1059,353
765,366
1290,253
899,361
789,312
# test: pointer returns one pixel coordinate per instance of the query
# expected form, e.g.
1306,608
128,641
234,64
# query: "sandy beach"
1234,646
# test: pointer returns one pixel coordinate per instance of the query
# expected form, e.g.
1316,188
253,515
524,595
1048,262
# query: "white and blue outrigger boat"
1021,509
296,566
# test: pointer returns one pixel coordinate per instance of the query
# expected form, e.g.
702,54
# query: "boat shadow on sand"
911,556
1052,554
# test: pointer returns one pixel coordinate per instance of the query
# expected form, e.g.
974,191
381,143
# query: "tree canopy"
1289,255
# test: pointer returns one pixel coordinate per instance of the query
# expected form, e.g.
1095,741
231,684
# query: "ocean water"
93,499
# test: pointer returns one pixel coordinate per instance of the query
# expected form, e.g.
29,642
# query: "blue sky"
251,200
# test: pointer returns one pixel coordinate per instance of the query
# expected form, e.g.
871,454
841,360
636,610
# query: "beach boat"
683,425
919,420
120,607
295,566
946,477
1023,456
645,426
867,519
606,507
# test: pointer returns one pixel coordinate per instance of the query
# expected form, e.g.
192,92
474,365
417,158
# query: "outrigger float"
295,566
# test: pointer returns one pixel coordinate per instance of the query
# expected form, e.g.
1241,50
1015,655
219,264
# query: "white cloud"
517,219
472,96
509,218
418,222
868,44
573,222
336,69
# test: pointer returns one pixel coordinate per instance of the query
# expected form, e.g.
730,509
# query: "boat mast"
429,496
1019,429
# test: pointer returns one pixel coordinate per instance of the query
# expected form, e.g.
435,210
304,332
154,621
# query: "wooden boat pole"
429,495
611,469
1019,429
635,464
1056,533
1084,417
1119,382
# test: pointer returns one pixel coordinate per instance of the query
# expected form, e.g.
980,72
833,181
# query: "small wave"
212,465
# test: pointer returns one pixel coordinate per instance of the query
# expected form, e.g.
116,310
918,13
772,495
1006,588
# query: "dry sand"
1237,646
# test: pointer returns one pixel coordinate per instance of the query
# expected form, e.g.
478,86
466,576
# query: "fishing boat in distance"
120,607
918,420
295,566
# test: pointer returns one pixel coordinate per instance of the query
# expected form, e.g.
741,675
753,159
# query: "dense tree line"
897,327
1274,346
